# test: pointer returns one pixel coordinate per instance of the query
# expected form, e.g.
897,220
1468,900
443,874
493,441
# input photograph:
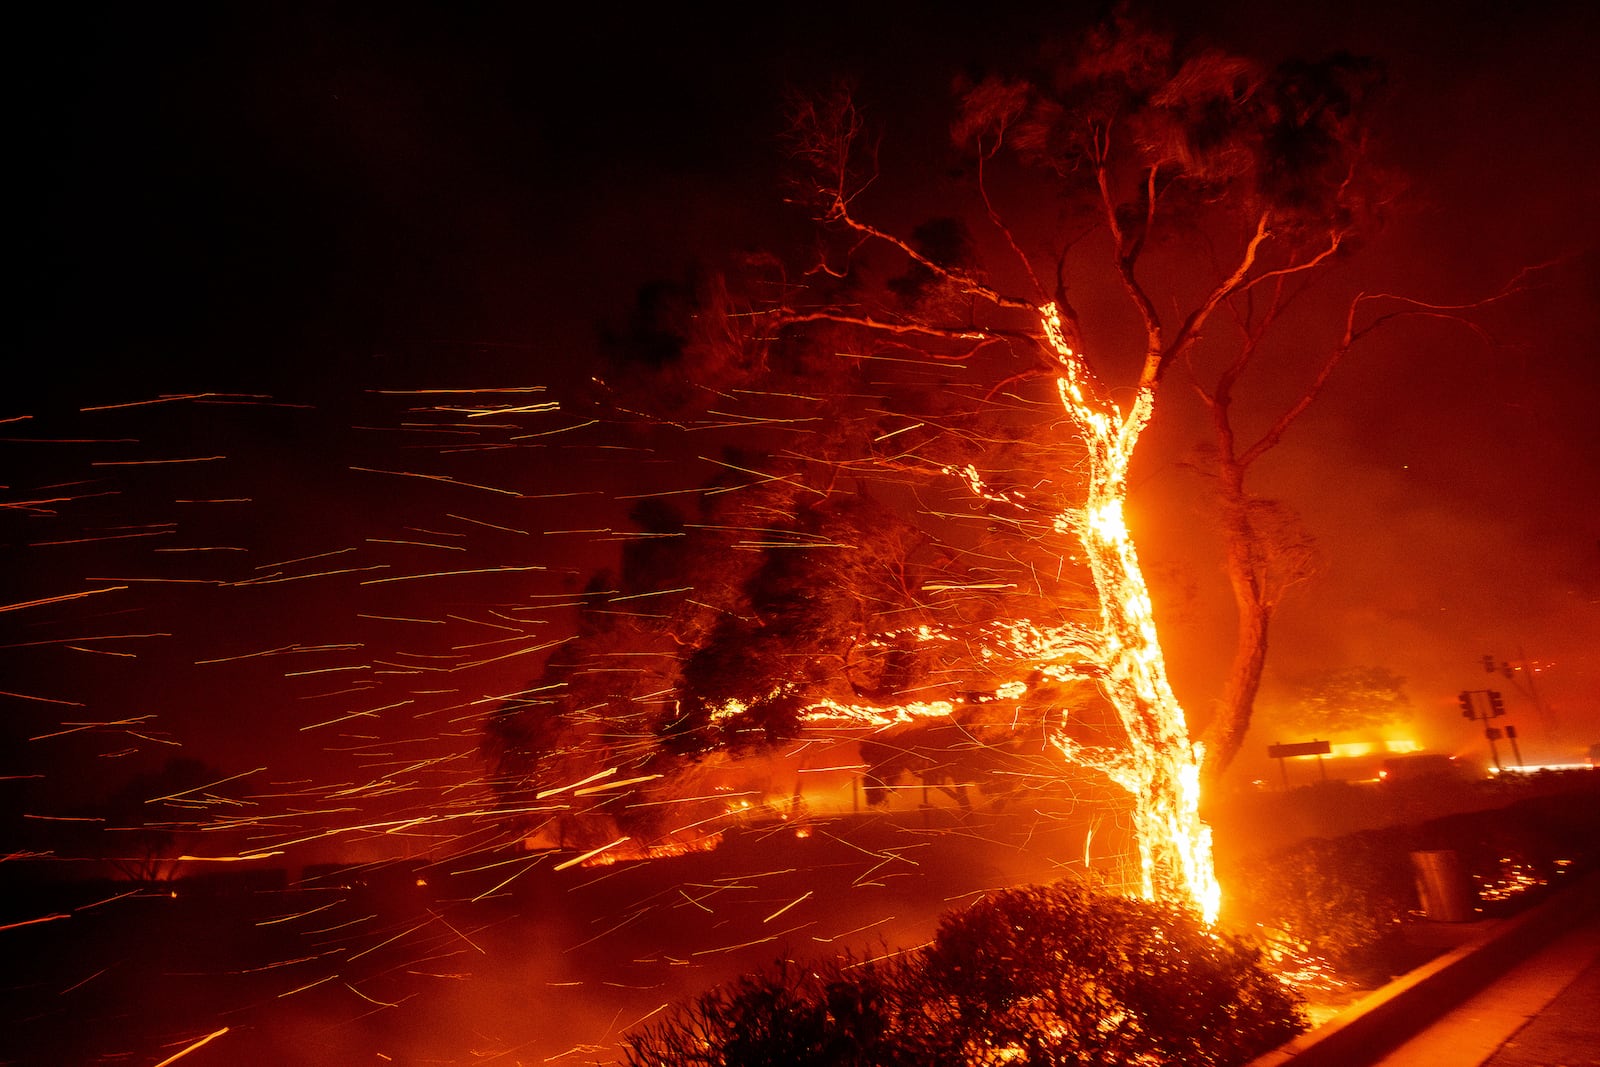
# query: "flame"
1352,749
1160,769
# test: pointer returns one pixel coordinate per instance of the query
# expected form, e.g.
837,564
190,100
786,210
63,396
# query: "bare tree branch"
1412,308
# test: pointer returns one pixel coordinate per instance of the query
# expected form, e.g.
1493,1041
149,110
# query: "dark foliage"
1339,898
1053,975
138,830
1345,898
838,1015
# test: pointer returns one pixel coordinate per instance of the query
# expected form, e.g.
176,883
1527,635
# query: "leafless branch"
1411,307
999,223
1157,361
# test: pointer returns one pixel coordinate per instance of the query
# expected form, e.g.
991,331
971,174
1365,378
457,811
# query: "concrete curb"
1387,1017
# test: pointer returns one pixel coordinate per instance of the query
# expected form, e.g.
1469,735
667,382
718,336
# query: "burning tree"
1201,182
1205,188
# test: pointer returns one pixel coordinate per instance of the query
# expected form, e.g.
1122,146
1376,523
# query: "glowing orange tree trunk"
1162,768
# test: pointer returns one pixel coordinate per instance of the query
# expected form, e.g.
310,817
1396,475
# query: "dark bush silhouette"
1056,975
1346,898
1337,898
847,1014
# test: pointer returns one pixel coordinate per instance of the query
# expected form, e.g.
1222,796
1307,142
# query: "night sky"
325,225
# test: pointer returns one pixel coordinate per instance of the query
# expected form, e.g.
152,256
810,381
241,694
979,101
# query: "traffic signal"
1496,705
1488,664
1511,732
1466,705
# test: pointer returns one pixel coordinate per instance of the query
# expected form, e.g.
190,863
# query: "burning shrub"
1037,975
1339,898
1345,899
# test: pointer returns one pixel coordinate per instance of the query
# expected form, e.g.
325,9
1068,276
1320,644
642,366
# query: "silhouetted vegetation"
1345,898
1056,974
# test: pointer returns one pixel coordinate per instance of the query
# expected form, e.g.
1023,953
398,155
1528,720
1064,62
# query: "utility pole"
1494,707
1525,685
